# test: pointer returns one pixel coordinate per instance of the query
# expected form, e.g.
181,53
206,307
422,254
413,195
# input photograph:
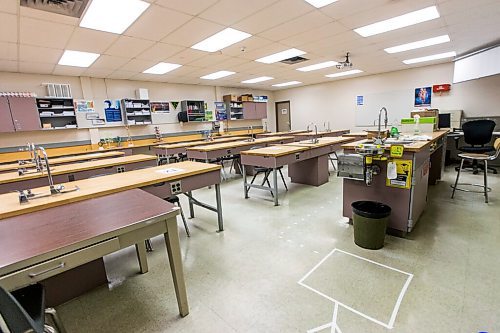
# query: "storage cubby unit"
234,108
56,113
136,111
195,110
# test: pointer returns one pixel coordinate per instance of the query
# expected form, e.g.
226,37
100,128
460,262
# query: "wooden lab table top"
202,142
356,134
76,167
322,133
322,142
281,133
91,188
65,160
416,146
234,144
275,151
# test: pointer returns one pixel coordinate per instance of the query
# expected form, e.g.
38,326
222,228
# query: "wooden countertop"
321,132
92,188
76,167
413,147
282,133
355,134
322,142
202,142
66,159
275,151
234,144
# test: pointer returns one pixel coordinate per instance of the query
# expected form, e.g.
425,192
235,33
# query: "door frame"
276,113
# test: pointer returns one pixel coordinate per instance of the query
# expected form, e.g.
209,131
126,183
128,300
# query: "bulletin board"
399,104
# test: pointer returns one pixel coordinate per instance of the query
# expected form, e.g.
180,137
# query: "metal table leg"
275,185
191,206
219,208
245,187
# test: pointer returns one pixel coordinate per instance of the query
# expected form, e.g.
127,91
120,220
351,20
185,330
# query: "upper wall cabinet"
18,114
254,110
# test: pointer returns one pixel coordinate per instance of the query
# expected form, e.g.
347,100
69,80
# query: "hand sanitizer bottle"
416,129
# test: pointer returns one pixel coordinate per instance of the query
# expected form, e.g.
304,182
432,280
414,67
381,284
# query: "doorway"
283,117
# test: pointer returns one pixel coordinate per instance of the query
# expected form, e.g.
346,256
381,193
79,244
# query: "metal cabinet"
18,114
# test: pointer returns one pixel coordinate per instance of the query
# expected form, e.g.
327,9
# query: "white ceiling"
32,41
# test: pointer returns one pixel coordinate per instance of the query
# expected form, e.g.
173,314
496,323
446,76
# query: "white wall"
336,101
102,89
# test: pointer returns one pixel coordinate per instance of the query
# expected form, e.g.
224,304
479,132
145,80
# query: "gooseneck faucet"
53,189
250,134
327,128
314,139
379,139
308,128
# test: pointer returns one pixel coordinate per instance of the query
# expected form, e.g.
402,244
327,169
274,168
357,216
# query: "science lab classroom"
267,166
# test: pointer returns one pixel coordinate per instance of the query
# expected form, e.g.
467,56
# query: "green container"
370,223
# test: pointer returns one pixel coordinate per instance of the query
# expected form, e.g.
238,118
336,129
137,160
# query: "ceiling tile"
8,28
68,70
44,33
159,52
8,66
109,62
8,51
186,56
228,12
156,23
138,66
121,75
192,32
188,7
278,13
296,26
325,31
48,16
251,44
29,53
342,9
36,67
210,60
128,47
10,6
97,72
89,40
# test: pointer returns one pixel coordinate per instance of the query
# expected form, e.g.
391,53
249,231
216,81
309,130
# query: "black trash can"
370,223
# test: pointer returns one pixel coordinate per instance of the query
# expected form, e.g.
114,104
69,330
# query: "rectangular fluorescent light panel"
285,84
320,3
112,15
220,40
217,75
406,20
318,66
430,58
258,79
290,53
161,68
351,72
77,58
419,44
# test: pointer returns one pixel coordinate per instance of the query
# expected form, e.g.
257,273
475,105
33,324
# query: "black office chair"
477,134
24,310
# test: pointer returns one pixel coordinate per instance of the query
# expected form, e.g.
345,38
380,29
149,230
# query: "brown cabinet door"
249,110
25,113
261,110
6,123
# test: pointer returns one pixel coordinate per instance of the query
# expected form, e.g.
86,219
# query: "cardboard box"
230,98
426,113
426,125
246,98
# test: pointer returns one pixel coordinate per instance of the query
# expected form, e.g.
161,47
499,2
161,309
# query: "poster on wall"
112,110
423,96
84,106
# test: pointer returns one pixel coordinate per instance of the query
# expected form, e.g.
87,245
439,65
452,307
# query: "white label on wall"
284,111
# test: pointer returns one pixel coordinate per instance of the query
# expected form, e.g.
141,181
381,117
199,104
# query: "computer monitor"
444,120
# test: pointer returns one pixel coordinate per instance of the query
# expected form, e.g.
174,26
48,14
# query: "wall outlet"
176,187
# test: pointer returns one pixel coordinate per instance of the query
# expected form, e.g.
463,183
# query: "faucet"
315,138
327,129
34,160
379,139
53,189
250,134
308,128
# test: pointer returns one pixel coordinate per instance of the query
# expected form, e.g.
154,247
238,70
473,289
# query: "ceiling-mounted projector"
344,64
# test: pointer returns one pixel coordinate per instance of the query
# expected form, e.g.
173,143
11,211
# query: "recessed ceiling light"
161,68
398,22
419,44
112,15
290,53
431,57
320,3
217,75
258,79
220,40
318,66
284,84
351,72
78,58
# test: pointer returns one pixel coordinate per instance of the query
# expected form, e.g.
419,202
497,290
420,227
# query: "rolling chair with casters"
24,310
477,134
475,158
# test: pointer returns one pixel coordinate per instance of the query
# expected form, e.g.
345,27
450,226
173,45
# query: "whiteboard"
399,104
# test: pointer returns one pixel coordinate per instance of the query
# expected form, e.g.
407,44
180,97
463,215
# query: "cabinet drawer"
58,265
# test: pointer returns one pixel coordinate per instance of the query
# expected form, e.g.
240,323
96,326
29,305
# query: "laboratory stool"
332,159
475,158
267,172
24,310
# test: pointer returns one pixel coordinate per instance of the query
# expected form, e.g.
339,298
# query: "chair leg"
486,181
458,176
55,318
184,221
149,245
283,179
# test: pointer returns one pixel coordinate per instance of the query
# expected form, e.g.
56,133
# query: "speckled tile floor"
246,278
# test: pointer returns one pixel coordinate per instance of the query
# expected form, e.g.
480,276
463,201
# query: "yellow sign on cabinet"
404,174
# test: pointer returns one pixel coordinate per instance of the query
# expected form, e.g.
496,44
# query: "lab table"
307,162
284,133
321,134
32,250
407,204
70,172
64,160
